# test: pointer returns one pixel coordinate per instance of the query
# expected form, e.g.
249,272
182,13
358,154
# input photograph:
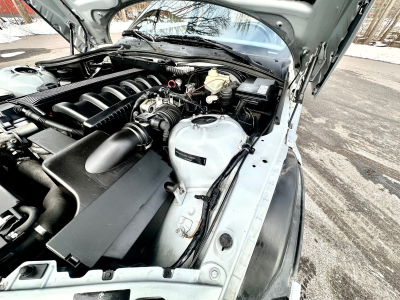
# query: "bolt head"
214,274
3,286
27,270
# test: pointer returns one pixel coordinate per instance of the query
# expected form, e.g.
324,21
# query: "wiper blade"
191,38
202,41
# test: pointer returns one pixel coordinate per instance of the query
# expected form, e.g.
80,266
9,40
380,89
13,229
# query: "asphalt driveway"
349,140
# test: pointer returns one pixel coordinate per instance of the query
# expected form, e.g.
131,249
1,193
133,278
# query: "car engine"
107,168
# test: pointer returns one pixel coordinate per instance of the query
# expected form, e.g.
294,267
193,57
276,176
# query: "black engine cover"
120,210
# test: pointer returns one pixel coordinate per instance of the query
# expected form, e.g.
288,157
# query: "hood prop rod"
71,38
307,76
79,20
300,93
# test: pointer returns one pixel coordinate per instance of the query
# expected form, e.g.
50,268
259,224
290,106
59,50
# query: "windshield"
239,31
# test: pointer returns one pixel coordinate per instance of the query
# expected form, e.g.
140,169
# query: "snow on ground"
387,54
12,54
119,26
12,32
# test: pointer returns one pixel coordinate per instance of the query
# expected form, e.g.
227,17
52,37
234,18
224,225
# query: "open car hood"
303,25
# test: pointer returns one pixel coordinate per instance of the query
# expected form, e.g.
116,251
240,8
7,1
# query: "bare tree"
123,14
22,11
379,10
391,26
379,23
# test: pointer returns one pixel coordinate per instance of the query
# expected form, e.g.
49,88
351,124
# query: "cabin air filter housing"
201,147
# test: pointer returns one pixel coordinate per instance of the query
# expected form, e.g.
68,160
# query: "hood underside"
302,25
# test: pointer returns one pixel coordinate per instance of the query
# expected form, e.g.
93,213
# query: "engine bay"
120,162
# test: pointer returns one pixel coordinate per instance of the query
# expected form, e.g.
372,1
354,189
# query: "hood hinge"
307,76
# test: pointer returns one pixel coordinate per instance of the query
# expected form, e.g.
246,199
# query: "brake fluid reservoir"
201,147
215,82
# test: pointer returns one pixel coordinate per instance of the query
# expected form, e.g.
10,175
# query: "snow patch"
386,54
12,54
119,26
13,32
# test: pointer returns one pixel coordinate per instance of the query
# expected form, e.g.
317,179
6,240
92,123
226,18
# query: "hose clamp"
40,230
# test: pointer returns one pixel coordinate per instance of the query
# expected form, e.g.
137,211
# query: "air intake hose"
167,116
117,148
124,143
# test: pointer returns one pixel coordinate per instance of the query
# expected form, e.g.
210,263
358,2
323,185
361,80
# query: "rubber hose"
30,114
165,127
57,209
33,215
8,160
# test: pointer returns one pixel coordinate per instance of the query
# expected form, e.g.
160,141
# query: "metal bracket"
180,193
108,275
30,272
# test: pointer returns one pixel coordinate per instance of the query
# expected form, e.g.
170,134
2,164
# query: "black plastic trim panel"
91,233
276,255
68,90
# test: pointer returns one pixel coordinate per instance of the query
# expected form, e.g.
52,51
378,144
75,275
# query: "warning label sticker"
190,157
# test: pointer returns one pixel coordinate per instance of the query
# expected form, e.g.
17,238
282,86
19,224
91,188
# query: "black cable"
203,241
194,242
207,235
198,71
211,199
187,101
294,79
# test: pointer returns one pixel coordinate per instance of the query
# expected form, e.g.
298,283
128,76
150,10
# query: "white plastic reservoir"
201,147
22,81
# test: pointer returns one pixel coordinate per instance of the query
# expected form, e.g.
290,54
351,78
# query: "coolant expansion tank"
201,147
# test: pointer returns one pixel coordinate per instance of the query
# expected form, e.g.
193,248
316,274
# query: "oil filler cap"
204,120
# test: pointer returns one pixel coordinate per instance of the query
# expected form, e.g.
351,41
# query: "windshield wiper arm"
142,36
202,41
